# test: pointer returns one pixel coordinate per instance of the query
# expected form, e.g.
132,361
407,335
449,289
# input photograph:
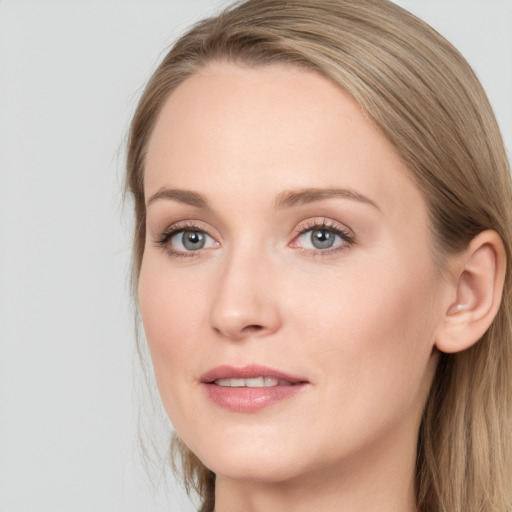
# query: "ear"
479,275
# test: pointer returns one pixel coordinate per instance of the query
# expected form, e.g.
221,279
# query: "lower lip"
250,399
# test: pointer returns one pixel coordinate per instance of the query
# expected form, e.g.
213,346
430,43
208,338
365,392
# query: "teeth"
255,382
270,381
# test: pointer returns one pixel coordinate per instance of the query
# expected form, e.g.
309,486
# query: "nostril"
238,333
252,328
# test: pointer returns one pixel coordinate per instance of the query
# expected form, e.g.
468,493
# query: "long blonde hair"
428,102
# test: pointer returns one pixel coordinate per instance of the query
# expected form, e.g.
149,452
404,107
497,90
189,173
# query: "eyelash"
170,232
346,235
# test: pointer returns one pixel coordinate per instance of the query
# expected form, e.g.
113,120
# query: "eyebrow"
292,198
181,196
284,200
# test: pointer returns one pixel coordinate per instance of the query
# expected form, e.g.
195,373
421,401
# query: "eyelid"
322,222
187,225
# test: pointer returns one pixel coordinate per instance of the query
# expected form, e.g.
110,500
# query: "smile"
255,382
249,388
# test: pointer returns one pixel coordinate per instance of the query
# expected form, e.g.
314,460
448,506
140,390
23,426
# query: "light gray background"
70,74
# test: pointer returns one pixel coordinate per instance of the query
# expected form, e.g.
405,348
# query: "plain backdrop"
70,74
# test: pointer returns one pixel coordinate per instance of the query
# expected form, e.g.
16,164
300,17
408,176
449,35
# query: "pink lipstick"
249,388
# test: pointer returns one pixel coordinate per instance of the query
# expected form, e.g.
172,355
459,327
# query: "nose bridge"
245,302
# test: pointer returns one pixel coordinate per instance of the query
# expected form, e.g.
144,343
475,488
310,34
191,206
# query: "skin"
359,322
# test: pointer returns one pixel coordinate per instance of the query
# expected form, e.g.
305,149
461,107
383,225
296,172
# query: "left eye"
320,239
186,241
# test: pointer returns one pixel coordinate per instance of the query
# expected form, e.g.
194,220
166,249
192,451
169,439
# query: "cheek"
170,301
173,312
373,335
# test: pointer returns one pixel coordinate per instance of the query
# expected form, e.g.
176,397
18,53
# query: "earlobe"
478,288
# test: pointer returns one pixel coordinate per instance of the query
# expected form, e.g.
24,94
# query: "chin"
257,470
250,461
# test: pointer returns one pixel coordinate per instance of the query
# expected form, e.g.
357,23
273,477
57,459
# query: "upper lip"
247,372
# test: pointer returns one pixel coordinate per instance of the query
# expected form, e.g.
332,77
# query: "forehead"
269,128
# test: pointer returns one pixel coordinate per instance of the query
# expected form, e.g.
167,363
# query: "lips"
252,371
249,388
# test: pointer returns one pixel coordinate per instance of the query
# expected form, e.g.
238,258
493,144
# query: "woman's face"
288,290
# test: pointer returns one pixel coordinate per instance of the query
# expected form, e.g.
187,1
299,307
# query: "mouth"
249,388
254,382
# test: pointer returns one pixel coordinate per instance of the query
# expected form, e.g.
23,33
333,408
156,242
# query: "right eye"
187,241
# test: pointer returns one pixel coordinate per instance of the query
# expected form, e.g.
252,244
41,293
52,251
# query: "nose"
245,302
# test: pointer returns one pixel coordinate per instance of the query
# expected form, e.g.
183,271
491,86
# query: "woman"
323,230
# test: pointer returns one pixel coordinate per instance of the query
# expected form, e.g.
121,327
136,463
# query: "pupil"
193,240
322,239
